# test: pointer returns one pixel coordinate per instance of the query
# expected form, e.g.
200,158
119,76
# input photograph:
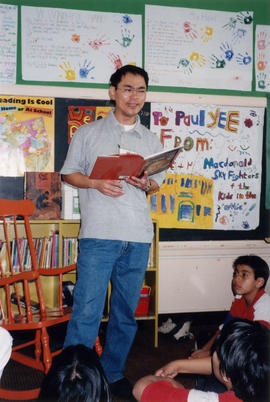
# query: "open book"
117,167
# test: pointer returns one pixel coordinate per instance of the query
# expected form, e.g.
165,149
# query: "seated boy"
240,361
250,275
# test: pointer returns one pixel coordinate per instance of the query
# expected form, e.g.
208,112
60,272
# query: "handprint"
261,40
231,24
197,58
261,64
245,18
261,80
238,35
126,38
243,60
189,30
85,69
185,66
97,43
70,74
115,59
217,63
207,34
227,50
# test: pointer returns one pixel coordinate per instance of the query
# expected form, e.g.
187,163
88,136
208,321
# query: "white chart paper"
262,55
198,48
8,43
77,46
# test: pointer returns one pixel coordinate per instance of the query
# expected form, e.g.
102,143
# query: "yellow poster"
26,134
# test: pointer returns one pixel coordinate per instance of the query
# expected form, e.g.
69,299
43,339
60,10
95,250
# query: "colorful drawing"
26,135
215,182
80,115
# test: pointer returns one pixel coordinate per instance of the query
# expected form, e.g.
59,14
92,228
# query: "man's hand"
111,188
143,183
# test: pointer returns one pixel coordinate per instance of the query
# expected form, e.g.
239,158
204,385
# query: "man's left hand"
143,183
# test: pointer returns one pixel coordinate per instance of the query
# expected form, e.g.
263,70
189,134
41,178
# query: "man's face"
129,97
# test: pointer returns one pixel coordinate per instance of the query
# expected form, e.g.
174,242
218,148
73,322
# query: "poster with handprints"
8,43
78,46
26,135
198,48
215,181
262,58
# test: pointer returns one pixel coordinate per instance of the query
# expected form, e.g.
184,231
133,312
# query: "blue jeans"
124,263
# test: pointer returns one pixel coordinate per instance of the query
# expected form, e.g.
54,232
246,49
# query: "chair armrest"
57,271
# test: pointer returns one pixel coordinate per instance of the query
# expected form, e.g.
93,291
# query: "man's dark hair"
129,68
256,263
76,375
243,349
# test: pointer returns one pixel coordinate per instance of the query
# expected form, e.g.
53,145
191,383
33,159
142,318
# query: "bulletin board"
260,10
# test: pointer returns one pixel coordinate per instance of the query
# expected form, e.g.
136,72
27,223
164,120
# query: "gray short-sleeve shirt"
127,217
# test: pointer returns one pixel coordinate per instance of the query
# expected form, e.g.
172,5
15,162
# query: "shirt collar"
138,127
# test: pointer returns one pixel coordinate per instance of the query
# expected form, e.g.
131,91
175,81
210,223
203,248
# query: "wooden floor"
143,358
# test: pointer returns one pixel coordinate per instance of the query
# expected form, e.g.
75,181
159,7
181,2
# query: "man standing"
116,227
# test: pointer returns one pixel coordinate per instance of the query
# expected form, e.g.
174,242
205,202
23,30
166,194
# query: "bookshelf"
66,233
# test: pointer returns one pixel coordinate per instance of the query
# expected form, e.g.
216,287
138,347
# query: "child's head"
76,375
241,359
259,267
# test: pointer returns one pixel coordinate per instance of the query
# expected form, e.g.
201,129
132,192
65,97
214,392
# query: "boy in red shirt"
240,361
250,275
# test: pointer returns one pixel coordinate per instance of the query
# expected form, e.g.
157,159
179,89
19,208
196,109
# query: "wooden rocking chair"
22,305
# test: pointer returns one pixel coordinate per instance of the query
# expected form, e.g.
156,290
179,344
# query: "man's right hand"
111,188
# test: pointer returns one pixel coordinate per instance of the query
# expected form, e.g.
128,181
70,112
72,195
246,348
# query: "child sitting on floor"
240,361
250,275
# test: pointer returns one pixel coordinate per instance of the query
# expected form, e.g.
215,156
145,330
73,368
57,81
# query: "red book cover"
118,167
44,189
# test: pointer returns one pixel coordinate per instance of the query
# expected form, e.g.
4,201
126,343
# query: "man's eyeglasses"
130,90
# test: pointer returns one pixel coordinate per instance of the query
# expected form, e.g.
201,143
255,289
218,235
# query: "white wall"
196,276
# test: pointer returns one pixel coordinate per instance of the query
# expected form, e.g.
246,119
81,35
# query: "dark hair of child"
243,349
76,375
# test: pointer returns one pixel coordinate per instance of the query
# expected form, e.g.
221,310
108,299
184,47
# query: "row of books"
53,199
46,249
69,251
